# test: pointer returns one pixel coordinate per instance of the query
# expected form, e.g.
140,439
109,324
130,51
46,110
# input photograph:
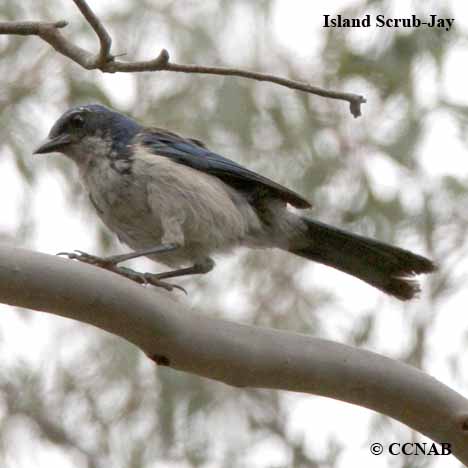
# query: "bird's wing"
194,154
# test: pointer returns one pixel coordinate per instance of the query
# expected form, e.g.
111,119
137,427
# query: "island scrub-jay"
172,199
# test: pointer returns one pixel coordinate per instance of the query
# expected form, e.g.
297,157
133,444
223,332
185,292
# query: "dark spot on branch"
464,425
160,360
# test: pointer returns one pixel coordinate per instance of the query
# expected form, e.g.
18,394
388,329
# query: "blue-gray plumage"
174,200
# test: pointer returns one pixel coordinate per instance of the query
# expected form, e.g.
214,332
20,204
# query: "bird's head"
89,131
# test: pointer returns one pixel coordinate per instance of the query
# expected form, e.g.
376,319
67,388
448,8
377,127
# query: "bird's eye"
77,121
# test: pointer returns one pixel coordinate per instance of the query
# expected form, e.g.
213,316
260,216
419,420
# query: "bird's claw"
150,279
85,258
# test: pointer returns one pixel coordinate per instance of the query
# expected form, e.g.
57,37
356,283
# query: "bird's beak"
53,144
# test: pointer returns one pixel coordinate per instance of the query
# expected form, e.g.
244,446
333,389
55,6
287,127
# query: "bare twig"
50,32
105,61
101,32
236,354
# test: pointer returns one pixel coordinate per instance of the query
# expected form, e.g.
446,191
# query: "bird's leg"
113,260
111,264
198,268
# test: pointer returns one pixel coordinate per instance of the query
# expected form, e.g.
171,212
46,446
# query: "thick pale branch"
239,355
106,62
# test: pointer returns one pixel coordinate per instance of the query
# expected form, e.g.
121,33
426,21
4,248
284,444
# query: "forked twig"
105,61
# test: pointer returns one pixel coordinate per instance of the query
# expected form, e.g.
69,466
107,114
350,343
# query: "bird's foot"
110,264
148,278
103,262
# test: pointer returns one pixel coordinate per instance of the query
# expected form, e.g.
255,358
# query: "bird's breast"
120,199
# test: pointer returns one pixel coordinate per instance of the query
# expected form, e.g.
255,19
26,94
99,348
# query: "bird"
173,200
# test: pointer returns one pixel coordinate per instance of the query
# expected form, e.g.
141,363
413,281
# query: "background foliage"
91,400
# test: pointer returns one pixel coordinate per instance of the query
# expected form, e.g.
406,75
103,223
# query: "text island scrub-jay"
172,199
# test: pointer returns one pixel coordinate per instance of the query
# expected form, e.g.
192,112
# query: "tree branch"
107,63
235,354
101,32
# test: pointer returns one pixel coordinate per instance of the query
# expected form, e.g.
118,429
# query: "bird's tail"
383,266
